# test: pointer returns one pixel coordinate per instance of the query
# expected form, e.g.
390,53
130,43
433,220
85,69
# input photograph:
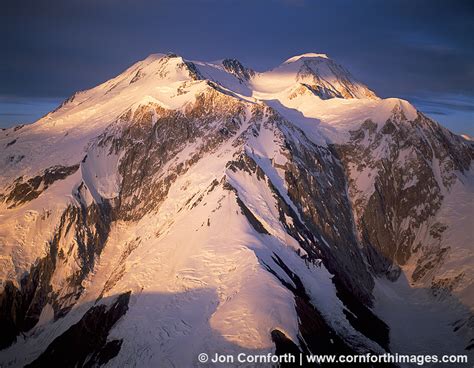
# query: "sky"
419,50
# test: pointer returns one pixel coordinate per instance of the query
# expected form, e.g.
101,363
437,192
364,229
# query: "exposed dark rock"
138,75
284,345
321,91
11,313
430,260
67,101
317,336
119,270
109,351
445,286
236,68
153,137
345,89
362,318
85,344
20,308
317,186
257,225
23,192
193,71
406,191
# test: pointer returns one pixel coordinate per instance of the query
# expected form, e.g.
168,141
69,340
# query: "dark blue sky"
419,50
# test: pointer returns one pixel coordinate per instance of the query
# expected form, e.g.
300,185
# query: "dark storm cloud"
399,48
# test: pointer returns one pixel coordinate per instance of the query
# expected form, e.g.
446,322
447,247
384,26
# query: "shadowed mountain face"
186,207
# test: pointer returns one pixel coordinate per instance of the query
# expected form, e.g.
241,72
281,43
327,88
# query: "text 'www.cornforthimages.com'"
303,359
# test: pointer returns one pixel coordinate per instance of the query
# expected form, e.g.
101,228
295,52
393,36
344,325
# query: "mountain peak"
236,68
322,75
309,55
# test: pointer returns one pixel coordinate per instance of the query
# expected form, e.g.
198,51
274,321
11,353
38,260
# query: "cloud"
432,112
446,103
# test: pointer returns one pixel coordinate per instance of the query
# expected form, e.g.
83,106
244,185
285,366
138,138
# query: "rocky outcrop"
24,191
316,335
234,67
410,165
78,239
88,337
153,137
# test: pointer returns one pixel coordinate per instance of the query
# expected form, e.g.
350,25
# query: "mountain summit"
318,73
186,207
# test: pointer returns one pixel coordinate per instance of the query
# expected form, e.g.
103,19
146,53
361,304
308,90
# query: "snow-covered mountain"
186,207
